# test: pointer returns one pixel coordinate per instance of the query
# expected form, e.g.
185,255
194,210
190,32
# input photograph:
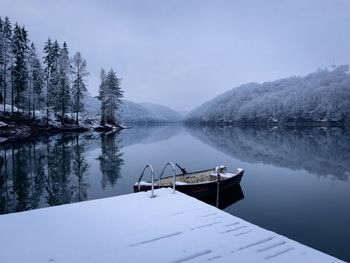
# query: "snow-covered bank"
136,228
19,124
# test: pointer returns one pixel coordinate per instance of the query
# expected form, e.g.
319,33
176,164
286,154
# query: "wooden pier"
136,228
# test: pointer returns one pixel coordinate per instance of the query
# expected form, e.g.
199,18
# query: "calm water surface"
296,182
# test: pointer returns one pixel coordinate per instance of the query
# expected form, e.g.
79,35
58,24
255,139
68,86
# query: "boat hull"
199,189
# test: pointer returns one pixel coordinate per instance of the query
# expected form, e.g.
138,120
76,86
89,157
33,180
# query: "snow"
180,183
225,175
7,107
86,119
3,124
137,228
322,96
143,183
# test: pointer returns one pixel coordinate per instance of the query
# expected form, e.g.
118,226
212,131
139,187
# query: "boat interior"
195,178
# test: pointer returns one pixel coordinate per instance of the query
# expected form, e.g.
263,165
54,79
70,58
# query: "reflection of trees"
80,169
321,151
22,177
53,170
34,172
39,161
58,187
3,181
110,160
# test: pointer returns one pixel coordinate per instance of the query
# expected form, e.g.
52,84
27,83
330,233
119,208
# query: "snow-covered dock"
136,228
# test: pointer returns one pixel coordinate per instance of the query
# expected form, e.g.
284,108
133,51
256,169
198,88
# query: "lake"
296,181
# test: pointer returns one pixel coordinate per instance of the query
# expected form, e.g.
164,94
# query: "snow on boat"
196,184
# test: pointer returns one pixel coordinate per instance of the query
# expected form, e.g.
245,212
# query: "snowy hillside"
131,112
92,105
323,96
162,112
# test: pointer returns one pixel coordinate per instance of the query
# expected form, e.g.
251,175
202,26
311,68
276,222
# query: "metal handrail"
152,182
174,174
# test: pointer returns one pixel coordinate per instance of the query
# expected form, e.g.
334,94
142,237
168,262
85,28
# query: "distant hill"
132,112
323,96
163,112
92,105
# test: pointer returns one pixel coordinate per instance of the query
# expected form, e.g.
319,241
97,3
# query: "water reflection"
149,134
53,170
69,168
320,151
110,159
225,198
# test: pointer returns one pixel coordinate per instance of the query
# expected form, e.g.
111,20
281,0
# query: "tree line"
319,98
56,83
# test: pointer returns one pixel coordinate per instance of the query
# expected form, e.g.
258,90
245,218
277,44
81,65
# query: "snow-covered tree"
79,87
5,56
36,80
47,59
51,54
20,67
101,95
110,95
62,101
1,60
323,96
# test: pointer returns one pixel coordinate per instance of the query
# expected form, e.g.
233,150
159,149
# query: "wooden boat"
196,184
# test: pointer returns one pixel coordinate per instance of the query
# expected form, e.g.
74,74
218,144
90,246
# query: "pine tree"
110,95
1,60
36,78
6,56
51,54
54,81
79,87
63,82
20,70
47,71
113,95
101,95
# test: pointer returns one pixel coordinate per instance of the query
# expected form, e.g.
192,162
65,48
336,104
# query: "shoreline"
17,126
294,124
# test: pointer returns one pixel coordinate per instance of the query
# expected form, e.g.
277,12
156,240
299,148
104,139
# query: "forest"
322,97
49,88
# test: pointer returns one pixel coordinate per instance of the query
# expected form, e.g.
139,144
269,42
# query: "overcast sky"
181,53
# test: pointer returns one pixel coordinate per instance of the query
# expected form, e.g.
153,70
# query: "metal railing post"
152,182
174,174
